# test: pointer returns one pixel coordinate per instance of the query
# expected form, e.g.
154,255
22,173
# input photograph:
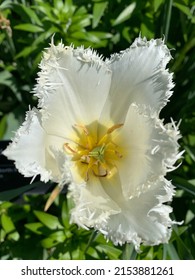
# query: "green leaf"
129,252
45,8
14,236
58,236
184,9
171,251
190,151
48,243
29,27
7,223
157,4
126,34
6,5
3,126
65,215
125,14
2,235
27,13
48,220
8,195
80,23
58,4
9,227
183,184
98,11
35,227
112,252
92,253
150,254
7,79
100,35
167,18
26,51
183,250
69,7
53,239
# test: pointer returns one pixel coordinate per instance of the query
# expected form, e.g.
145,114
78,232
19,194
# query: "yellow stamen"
66,146
92,155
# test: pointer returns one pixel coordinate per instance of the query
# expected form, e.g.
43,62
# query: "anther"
83,128
114,127
66,146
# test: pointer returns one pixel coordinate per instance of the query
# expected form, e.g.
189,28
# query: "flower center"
94,155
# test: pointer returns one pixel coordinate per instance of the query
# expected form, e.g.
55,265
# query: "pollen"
92,154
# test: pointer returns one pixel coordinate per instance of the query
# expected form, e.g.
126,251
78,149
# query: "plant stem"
92,237
167,19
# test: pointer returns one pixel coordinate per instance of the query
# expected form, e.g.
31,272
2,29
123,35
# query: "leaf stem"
92,237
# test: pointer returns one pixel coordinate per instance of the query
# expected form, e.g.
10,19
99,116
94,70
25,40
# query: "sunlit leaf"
49,242
3,126
35,227
48,220
58,236
28,27
9,227
7,223
6,4
125,14
98,11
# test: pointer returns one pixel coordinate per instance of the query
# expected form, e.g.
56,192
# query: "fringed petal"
72,87
139,76
28,148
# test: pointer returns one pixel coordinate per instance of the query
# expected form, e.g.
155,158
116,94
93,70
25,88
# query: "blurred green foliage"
26,28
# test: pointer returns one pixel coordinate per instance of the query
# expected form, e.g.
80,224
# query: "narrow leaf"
171,251
8,195
29,27
27,13
125,14
98,11
183,184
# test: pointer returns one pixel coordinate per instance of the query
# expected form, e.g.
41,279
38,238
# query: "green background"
26,27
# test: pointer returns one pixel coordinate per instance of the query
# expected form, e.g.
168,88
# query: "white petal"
139,76
28,147
92,204
72,87
59,164
150,149
134,167
142,219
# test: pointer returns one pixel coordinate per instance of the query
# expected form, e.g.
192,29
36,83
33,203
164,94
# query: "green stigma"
98,153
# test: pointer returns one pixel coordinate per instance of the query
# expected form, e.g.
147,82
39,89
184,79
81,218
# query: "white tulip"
97,129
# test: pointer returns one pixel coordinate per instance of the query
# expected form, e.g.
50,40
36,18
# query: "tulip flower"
97,128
